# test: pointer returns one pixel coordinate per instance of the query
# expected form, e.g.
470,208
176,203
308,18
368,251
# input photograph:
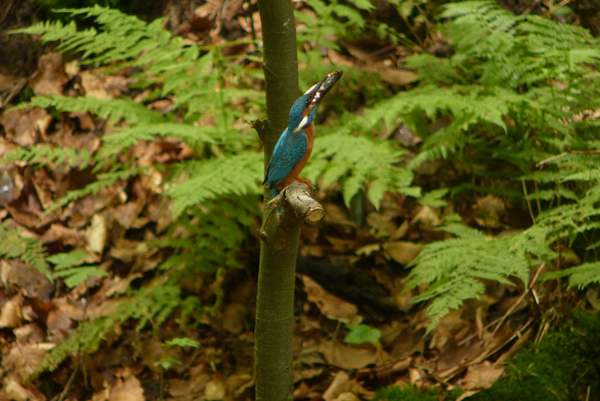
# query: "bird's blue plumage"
289,150
294,146
291,146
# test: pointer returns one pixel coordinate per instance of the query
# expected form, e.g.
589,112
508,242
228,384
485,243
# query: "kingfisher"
295,145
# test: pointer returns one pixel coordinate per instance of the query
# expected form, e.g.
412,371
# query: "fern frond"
213,178
135,36
44,155
153,303
335,158
579,276
103,180
29,250
130,136
115,109
457,268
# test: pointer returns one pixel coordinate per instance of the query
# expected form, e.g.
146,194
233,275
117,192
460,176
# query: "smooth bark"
280,234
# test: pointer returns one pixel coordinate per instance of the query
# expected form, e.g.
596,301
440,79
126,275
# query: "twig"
537,199
531,7
542,333
566,153
587,396
68,385
512,308
556,7
301,200
449,374
498,348
298,196
477,333
528,202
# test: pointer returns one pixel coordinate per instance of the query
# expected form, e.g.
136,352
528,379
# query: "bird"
295,144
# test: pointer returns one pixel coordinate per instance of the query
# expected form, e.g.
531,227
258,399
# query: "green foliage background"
515,91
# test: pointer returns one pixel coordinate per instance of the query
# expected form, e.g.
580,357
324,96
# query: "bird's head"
304,108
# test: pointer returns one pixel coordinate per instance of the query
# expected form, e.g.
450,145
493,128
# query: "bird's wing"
289,151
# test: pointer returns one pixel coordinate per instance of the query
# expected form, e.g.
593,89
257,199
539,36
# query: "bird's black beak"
316,93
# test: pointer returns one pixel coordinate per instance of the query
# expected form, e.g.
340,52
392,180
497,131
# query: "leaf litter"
36,315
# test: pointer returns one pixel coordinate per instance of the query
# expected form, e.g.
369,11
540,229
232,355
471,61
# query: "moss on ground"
565,366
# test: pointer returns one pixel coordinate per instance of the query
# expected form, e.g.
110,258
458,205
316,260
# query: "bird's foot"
304,182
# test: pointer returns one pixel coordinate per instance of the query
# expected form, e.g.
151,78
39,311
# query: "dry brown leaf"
72,69
337,215
200,375
215,390
446,330
23,126
178,387
408,343
347,397
367,250
10,86
50,77
125,215
32,218
346,357
103,86
102,395
96,234
20,360
11,314
401,231
86,121
107,307
62,317
341,245
426,215
398,77
128,390
342,384
128,251
304,374
489,210
331,306
64,235
302,391
33,283
466,395
234,318
415,375
44,187
14,391
381,224
402,252
482,376
116,284
238,381
522,341
6,81
340,59
29,333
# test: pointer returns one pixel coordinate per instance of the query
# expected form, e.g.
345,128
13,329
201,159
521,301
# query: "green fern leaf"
15,245
210,179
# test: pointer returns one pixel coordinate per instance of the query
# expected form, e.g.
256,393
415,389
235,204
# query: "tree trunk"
275,300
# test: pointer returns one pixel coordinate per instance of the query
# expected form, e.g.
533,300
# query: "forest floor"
348,273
